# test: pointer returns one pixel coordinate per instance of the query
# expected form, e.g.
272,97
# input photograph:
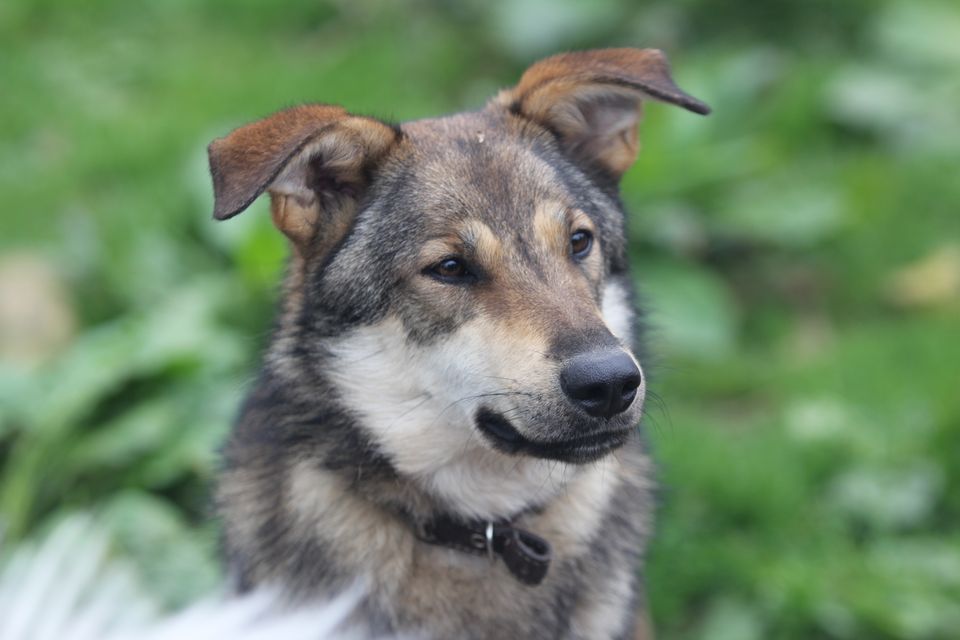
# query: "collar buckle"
525,554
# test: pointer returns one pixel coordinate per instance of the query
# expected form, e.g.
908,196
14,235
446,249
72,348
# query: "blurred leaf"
791,209
692,311
179,330
888,498
729,619
183,333
924,32
531,28
176,562
822,419
142,431
920,559
922,581
879,98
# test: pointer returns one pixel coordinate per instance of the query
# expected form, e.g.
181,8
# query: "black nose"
602,383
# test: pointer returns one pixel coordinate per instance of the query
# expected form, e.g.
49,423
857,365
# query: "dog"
448,409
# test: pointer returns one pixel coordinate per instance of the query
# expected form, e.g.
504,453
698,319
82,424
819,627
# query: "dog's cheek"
477,364
405,395
432,312
516,362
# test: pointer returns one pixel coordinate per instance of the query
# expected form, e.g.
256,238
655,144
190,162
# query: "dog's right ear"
314,160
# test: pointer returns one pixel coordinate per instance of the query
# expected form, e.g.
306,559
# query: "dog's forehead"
481,165
482,126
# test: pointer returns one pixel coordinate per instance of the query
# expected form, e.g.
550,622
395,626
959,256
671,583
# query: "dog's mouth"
587,448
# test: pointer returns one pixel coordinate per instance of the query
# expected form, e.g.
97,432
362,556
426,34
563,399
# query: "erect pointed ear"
592,100
313,159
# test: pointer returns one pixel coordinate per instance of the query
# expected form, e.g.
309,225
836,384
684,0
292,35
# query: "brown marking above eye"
565,230
464,255
551,227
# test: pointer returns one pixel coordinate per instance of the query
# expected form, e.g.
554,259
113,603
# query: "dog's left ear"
592,100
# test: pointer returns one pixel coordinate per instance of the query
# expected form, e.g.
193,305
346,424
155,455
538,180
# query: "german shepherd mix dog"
448,408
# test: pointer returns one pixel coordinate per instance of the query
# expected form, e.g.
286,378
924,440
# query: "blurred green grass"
799,250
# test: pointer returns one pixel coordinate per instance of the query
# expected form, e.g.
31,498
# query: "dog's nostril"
602,383
626,398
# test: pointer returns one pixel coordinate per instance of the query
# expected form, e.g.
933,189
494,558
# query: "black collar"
525,554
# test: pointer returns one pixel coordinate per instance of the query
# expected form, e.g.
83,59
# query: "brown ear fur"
592,100
312,159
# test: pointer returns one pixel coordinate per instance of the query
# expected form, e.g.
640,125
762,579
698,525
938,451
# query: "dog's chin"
503,436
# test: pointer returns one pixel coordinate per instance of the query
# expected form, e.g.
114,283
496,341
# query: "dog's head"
463,281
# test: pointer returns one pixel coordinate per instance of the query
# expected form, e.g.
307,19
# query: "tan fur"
551,228
320,503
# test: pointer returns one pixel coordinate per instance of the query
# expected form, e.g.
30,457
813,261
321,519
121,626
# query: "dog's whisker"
501,378
484,395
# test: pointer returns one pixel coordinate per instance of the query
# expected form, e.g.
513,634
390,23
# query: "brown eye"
580,243
451,270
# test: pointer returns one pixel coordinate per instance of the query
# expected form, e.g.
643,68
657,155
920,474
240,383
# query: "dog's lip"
498,427
504,436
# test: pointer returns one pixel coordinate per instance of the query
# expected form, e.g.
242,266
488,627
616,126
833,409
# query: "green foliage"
798,250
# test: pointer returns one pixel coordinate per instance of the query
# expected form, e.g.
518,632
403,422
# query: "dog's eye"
450,270
581,242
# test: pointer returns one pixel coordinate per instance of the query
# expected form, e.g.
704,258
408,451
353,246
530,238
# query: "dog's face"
492,256
462,281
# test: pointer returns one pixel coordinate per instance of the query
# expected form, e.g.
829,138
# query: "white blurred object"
69,588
